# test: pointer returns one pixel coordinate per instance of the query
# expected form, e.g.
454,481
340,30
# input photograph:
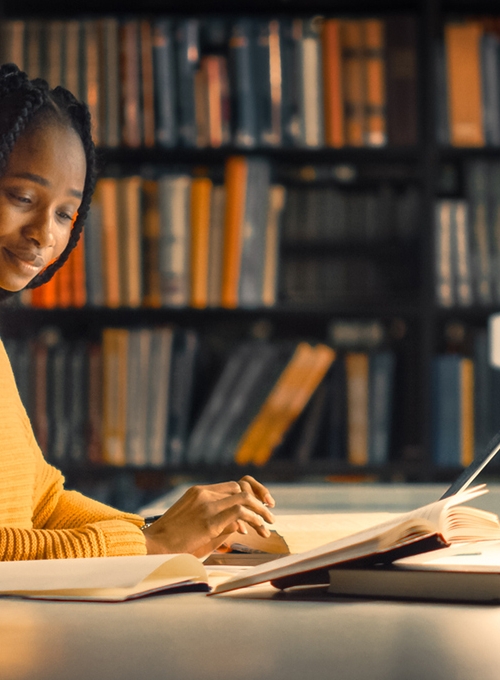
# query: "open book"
112,579
427,528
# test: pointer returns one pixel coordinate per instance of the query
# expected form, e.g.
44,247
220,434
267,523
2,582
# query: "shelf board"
198,7
16,317
455,153
188,156
474,313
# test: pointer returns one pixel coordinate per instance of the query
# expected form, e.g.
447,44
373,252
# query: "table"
254,634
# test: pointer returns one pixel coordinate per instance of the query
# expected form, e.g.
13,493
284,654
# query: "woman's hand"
200,521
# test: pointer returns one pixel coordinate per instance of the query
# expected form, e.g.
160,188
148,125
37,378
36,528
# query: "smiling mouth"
30,262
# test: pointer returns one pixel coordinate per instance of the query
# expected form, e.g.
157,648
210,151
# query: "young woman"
47,175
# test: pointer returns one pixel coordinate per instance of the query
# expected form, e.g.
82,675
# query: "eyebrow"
44,182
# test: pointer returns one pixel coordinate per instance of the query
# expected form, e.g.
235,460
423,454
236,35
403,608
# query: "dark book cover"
401,35
165,85
242,44
187,42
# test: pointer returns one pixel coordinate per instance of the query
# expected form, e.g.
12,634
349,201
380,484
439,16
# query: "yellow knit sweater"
39,519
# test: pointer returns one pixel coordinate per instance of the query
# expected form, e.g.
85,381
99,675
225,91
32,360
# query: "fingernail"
242,528
266,530
269,500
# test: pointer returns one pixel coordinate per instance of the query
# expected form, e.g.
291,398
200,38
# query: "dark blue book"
446,410
165,87
242,46
187,39
442,113
77,376
381,391
185,352
336,440
290,116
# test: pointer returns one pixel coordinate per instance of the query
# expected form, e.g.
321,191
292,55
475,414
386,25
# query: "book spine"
165,88
357,382
491,92
174,194
374,41
277,198
216,246
477,193
311,84
494,225
332,83
188,56
236,182
462,257
158,397
445,293
130,242
401,41
151,243
114,402
381,389
353,78
242,64
91,77
147,81
110,81
254,233
201,192
446,410
130,83
462,43
466,412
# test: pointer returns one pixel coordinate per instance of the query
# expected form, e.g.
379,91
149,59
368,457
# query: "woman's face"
40,193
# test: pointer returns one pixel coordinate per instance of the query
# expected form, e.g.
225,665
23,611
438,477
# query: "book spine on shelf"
401,37
381,391
187,41
310,83
463,58
353,78
242,68
109,79
201,194
477,193
130,83
165,85
332,83
375,82
357,383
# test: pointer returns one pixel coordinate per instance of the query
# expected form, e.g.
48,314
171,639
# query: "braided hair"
26,103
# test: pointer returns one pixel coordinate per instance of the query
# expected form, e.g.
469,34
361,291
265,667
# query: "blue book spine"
446,412
382,368
188,58
164,83
242,66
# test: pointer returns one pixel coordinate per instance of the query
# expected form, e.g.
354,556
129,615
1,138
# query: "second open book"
363,543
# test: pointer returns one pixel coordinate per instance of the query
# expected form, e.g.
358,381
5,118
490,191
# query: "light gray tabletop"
254,634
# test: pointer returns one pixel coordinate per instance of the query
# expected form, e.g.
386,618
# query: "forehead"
54,152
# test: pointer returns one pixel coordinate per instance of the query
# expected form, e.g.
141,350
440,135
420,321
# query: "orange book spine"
201,193
303,386
463,59
467,409
357,375
236,183
332,83
63,284
106,194
376,134
77,269
49,293
274,404
353,78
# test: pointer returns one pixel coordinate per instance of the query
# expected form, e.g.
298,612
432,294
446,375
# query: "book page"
81,574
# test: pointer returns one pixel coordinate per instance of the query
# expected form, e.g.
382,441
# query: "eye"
64,216
21,199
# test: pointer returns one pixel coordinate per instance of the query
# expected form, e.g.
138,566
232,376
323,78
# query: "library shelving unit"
415,324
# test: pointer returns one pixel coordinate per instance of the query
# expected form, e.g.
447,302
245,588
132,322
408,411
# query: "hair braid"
25,102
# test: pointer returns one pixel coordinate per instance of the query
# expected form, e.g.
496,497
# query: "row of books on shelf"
465,405
184,239
178,240
467,240
468,83
128,400
247,82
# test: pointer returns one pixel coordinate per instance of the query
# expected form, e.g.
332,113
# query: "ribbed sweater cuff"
122,538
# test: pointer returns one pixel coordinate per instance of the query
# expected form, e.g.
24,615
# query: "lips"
28,258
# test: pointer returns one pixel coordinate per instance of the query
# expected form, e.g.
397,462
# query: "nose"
39,230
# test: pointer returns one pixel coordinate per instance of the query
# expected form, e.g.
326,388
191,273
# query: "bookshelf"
416,327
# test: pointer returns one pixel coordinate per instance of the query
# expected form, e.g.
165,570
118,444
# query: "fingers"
238,513
248,483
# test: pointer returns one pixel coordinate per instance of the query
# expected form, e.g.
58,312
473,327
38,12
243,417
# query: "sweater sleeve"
39,519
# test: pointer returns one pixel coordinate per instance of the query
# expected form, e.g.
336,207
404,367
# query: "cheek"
61,241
